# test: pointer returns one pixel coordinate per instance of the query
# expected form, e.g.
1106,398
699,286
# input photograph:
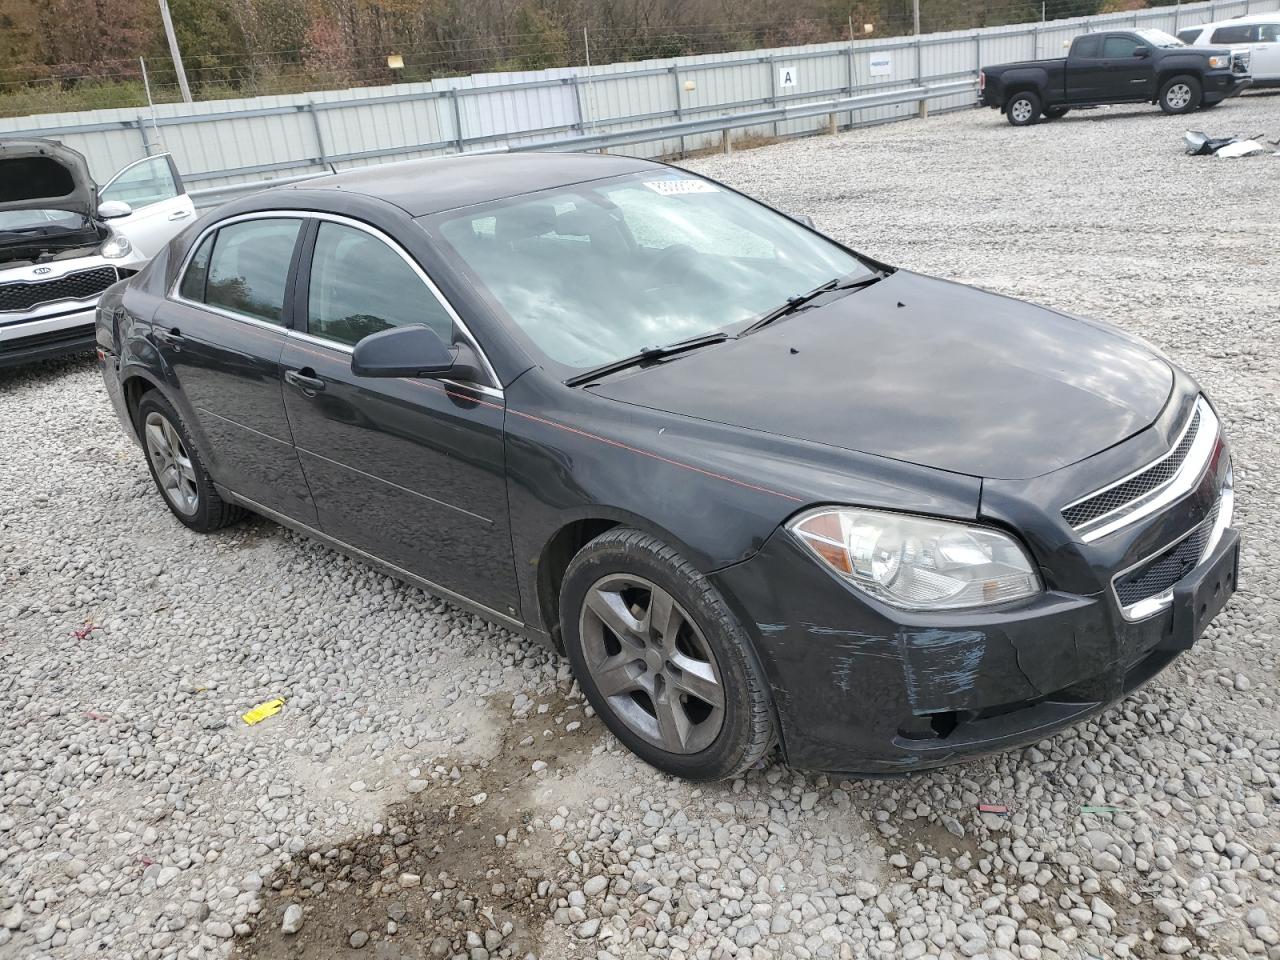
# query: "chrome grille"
1120,495
23,295
1160,572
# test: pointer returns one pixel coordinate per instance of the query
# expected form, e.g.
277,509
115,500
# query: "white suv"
1259,34
63,242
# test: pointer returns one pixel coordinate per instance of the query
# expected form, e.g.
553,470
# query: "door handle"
179,214
170,338
305,380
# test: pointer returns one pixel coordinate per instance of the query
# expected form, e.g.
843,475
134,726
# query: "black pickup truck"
1124,66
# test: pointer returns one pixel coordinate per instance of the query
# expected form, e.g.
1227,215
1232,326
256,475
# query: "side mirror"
1142,53
414,351
114,209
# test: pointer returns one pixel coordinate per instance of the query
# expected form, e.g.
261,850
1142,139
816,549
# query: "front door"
161,208
221,336
1086,71
1130,69
411,471
1264,52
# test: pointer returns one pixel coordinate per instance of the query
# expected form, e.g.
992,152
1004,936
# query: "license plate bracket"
1201,595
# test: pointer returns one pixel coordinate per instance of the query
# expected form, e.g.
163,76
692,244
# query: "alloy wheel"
1021,110
1178,96
652,664
175,472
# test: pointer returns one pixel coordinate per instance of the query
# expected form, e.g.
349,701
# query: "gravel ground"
435,787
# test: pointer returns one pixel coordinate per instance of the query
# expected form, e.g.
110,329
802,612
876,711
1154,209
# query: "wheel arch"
567,542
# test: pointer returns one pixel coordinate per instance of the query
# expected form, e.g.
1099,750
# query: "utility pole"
915,14
174,51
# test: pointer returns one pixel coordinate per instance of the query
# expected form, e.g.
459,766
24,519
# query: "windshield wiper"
647,354
794,304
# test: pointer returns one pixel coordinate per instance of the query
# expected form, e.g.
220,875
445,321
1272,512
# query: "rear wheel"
178,470
662,660
1180,94
1022,109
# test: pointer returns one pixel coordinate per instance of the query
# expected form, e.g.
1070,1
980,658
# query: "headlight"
915,562
1219,63
116,247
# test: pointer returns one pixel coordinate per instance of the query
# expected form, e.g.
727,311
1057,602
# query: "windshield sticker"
671,188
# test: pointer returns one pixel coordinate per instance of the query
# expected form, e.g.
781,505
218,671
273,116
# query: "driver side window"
359,285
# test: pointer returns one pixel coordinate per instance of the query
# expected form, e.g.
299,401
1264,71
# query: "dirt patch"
432,878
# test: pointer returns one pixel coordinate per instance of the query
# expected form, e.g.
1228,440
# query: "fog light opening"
944,723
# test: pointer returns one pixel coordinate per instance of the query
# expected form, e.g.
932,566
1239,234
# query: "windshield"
597,272
1158,38
29,219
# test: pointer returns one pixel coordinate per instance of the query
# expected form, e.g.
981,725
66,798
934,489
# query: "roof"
422,187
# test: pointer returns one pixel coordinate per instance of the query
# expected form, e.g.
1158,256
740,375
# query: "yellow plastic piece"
263,710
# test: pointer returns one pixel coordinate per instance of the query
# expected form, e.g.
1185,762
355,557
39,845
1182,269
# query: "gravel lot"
435,787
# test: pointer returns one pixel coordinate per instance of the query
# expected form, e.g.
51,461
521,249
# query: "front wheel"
1022,109
1180,94
662,660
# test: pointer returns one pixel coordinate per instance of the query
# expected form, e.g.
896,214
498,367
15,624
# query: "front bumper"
864,688
860,687
25,341
1220,86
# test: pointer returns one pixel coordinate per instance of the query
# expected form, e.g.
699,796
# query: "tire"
641,624
1180,94
1023,109
1053,113
178,469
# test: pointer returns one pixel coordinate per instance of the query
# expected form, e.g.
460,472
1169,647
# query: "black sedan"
759,488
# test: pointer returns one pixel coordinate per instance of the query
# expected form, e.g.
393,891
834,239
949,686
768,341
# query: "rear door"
1086,72
221,333
161,208
411,471
1130,68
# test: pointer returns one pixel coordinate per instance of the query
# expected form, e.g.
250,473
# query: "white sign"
671,188
786,77
881,64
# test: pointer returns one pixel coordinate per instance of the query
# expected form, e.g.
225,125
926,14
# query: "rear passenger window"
1189,36
360,285
250,266
192,287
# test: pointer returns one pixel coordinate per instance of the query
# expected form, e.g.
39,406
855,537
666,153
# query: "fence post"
310,108
577,103
772,67
726,141
457,118
675,77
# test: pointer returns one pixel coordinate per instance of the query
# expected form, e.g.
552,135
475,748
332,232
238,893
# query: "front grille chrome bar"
1152,487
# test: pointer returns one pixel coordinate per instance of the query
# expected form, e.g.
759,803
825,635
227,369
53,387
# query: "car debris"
1200,144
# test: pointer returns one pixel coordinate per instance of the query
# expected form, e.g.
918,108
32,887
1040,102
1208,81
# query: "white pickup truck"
63,241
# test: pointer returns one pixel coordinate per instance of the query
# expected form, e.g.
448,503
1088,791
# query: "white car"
1259,34
63,242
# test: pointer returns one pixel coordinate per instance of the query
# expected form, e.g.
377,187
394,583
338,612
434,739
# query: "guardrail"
722,124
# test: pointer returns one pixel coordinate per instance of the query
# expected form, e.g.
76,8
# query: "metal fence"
652,108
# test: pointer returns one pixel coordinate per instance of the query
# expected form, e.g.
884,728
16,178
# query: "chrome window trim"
494,388
92,298
1182,482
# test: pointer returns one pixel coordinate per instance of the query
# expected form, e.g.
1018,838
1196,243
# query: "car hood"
44,175
924,371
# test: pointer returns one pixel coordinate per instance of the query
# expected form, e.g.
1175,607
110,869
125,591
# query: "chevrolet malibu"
759,488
